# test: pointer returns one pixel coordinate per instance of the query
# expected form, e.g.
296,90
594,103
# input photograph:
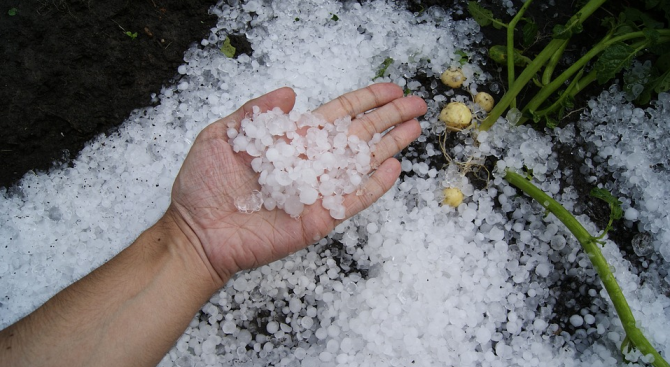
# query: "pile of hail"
300,158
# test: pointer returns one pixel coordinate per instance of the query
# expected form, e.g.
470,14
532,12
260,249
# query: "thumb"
284,98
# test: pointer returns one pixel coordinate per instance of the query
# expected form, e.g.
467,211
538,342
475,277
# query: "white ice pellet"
321,333
496,234
631,214
326,356
576,320
483,335
307,322
295,305
542,269
228,327
319,164
272,327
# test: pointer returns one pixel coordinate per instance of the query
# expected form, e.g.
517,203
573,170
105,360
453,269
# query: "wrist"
185,244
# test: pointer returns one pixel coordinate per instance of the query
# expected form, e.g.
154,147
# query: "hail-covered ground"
493,282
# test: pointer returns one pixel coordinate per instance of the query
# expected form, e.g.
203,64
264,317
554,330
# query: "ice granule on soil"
596,325
630,144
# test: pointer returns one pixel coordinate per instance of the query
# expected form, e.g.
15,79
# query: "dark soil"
72,69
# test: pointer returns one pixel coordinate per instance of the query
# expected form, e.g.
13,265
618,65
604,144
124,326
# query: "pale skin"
131,310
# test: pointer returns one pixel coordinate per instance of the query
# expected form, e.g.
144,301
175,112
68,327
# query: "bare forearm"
128,312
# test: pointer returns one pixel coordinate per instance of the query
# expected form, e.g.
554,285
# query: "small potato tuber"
453,78
456,116
452,197
485,101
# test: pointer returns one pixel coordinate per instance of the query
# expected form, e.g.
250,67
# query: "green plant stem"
590,246
559,102
527,74
532,69
584,82
550,88
511,27
551,64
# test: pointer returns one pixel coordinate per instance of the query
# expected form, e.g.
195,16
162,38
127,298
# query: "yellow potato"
452,197
453,78
485,101
456,116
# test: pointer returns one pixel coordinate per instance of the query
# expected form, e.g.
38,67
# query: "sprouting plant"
634,336
464,57
615,207
12,12
382,68
130,34
630,35
228,49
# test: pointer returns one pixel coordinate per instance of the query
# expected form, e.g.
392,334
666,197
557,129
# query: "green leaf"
665,7
659,80
660,49
645,97
335,17
529,31
640,18
662,84
131,34
498,53
626,347
609,22
551,123
663,61
498,24
624,29
528,172
228,49
464,57
534,116
648,4
572,27
615,205
482,16
382,68
651,35
612,61
12,12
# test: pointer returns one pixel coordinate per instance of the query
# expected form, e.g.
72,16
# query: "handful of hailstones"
301,157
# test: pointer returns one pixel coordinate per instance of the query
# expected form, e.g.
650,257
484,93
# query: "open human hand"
213,176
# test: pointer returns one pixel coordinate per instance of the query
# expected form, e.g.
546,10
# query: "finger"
379,183
284,98
392,113
394,141
359,101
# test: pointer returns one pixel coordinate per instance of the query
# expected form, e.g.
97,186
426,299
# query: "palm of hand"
213,176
